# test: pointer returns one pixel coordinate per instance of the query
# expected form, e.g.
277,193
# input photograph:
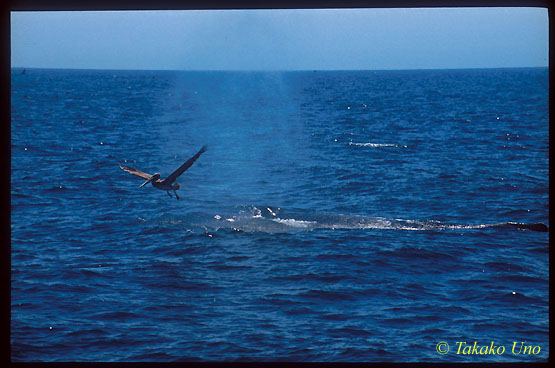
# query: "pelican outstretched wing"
174,175
132,170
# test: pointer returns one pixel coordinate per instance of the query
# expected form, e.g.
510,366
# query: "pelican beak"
146,182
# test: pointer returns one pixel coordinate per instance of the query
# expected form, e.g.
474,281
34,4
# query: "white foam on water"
295,223
256,213
370,144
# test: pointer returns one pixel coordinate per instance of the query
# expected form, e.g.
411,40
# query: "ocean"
353,216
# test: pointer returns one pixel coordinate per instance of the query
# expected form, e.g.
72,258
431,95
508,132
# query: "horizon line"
278,70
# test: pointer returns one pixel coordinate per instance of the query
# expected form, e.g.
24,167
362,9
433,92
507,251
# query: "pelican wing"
174,175
132,170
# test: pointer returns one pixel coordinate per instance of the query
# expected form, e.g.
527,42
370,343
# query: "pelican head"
152,178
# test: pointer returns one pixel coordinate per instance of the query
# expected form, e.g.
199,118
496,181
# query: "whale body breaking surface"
275,220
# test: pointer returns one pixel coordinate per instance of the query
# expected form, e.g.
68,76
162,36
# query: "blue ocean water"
336,216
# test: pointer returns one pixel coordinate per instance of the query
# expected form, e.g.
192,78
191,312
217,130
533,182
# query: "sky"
288,39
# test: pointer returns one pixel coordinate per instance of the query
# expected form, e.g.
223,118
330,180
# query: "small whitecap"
217,217
295,223
370,144
257,213
230,219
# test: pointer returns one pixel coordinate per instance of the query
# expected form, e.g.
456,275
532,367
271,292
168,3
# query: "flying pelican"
168,183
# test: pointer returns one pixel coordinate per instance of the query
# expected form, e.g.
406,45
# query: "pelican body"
168,184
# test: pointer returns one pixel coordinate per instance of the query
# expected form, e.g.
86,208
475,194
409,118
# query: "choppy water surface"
336,216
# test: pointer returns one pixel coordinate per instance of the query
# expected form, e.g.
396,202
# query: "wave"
295,223
275,220
370,144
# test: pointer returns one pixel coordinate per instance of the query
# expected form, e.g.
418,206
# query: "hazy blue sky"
282,39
